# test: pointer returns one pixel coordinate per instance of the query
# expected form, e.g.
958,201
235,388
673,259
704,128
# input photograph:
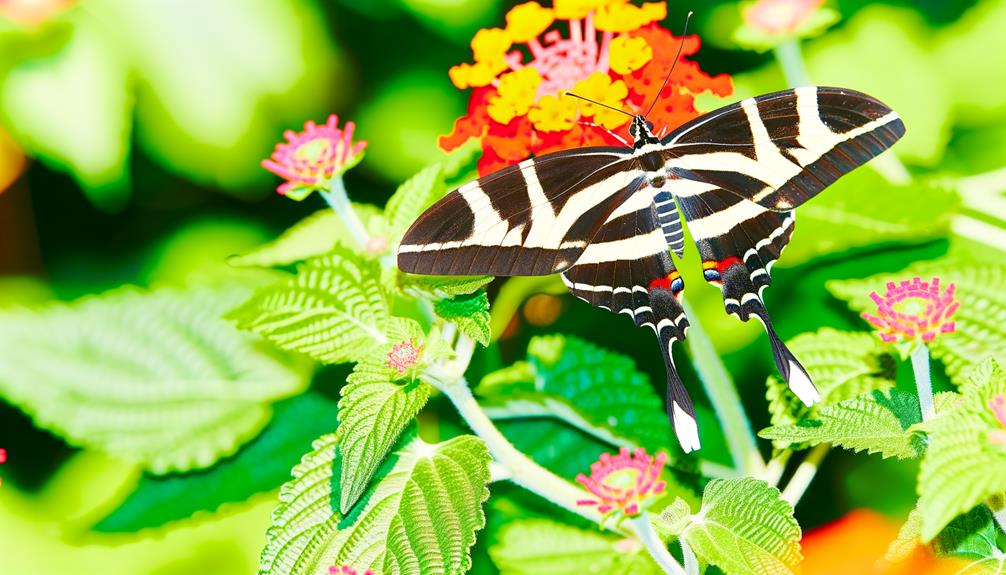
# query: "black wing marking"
781,149
535,218
627,269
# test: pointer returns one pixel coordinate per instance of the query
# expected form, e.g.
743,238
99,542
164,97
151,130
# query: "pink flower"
913,311
403,356
309,159
344,570
998,406
780,17
624,483
33,12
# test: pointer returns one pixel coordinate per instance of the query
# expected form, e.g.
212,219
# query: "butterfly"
607,218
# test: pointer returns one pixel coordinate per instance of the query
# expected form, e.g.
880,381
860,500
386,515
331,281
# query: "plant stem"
790,58
775,468
691,561
923,383
804,474
338,200
1000,517
658,550
723,395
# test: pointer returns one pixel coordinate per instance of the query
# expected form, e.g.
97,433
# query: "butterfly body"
608,218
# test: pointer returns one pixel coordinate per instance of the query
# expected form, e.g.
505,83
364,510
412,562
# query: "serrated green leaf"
980,334
842,364
420,517
470,312
908,539
874,422
969,536
965,463
540,546
374,410
590,388
744,526
440,287
263,464
334,309
313,236
153,377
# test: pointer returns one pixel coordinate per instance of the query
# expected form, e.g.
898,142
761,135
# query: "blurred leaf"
420,517
539,546
563,449
263,464
334,309
863,210
744,527
908,540
980,293
439,287
73,110
153,377
963,60
874,422
963,466
457,20
315,235
586,386
470,312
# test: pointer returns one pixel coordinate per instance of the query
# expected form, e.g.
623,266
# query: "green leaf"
969,536
440,287
965,463
315,235
979,334
153,377
333,310
470,312
874,422
375,408
744,526
540,546
420,517
589,387
842,364
261,465
561,448
908,539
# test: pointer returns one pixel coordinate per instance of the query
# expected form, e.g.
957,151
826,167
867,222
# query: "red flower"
625,483
344,570
615,53
308,160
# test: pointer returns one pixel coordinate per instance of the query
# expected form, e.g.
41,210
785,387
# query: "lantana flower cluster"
625,484
998,406
309,160
346,570
913,312
611,51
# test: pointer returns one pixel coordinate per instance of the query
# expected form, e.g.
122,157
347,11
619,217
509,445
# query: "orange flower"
614,52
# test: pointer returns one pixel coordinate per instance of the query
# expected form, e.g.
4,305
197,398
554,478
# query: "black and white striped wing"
627,269
781,149
535,218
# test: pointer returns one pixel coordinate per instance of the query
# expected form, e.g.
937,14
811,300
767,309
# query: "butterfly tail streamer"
680,409
790,368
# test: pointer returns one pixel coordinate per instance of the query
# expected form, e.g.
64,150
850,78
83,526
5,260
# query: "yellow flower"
553,114
599,87
570,9
517,91
526,21
628,54
625,17
490,44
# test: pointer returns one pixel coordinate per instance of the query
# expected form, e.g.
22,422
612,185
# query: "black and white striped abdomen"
669,221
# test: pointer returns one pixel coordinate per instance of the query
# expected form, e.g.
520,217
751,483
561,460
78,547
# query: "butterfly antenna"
681,46
599,104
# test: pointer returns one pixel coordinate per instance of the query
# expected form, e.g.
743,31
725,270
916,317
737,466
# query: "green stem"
923,382
804,474
723,395
657,548
691,561
790,58
338,200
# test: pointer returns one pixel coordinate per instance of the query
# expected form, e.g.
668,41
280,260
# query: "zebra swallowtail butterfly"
606,218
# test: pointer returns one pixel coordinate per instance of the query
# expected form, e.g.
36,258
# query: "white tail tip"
801,385
685,428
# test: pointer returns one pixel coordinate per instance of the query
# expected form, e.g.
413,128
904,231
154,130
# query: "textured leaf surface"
470,312
745,527
334,309
261,465
981,318
842,364
439,287
315,235
589,387
965,463
540,546
154,377
420,517
874,422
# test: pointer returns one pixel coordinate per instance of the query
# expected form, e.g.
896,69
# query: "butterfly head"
642,132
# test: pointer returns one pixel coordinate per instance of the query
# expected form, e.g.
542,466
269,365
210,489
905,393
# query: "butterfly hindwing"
534,218
627,269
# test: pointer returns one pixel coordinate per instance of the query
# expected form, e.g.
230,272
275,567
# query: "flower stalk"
790,58
338,199
923,381
804,474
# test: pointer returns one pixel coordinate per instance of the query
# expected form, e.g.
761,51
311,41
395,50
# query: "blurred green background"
132,132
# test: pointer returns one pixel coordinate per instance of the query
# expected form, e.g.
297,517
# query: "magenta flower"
913,311
310,159
625,483
779,17
344,570
403,356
